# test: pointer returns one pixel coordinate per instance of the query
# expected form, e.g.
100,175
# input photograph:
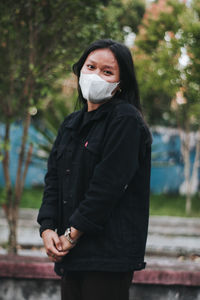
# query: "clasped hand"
56,246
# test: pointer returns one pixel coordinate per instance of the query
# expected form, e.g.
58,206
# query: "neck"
92,106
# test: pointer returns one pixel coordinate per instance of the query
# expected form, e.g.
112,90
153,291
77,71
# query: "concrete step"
174,226
172,236
180,263
174,245
27,217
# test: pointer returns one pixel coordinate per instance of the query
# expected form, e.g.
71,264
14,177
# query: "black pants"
96,285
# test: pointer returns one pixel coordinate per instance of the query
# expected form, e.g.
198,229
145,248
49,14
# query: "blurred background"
39,42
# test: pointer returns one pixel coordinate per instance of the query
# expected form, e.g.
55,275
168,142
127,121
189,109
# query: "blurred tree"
52,112
39,40
126,13
167,62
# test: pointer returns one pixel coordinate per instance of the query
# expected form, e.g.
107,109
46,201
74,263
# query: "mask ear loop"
119,88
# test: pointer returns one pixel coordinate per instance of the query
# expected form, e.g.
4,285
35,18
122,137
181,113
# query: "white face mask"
96,89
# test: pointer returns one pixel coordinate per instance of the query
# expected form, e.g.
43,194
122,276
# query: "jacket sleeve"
111,176
48,212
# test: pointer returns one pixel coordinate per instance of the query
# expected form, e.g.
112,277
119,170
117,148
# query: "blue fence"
167,164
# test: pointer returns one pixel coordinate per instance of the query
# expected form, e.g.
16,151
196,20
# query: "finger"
57,242
58,254
53,251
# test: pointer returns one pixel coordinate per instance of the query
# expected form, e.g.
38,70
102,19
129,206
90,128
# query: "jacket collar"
76,118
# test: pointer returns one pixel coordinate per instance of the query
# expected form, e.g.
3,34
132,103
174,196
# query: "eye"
106,72
90,67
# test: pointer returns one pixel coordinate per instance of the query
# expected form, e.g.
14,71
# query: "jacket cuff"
81,223
47,224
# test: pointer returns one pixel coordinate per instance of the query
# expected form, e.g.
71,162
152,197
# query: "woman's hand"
75,235
53,245
66,245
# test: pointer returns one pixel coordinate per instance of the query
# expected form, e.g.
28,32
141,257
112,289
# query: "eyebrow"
105,66
108,67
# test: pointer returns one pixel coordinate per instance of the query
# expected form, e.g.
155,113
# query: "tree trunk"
12,240
13,195
19,176
8,206
188,205
11,206
185,149
193,179
187,174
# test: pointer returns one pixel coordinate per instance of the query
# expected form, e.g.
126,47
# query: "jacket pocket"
92,146
92,155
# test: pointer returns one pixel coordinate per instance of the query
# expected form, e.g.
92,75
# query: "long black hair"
128,84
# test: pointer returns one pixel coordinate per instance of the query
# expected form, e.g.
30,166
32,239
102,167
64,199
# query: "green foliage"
39,41
169,30
126,13
49,118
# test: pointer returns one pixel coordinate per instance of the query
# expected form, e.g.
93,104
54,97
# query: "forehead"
104,56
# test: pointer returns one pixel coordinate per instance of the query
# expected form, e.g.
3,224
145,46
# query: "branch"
18,182
28,160
28,86
5,163
27,94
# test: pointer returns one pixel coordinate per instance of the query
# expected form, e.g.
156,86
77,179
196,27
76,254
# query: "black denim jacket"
98,181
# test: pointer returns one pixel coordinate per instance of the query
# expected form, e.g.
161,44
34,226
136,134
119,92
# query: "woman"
97,186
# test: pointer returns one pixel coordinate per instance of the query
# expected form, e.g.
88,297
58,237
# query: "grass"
31,198
161,205
173,205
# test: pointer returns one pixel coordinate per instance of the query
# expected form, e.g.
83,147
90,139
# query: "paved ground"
171,240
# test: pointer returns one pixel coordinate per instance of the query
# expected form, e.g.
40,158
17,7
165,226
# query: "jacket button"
64,202
126,186
68,171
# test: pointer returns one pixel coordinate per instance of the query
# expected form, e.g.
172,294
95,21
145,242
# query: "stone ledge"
14,266
40,268
167,277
